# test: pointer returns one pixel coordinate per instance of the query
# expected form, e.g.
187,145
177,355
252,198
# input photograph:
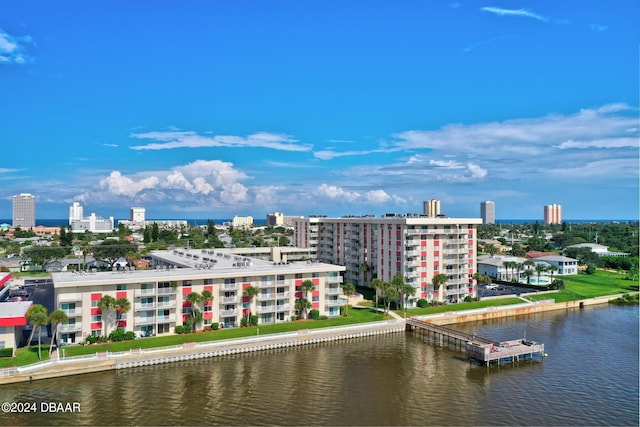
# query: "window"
315,299
96,319
186,283
315,274
121,287
3,330
230,281
208,281
298,275
94,303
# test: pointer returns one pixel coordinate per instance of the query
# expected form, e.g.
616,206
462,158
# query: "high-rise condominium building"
431,208
137,215
24,211
553,214
413,246
95,224
488,212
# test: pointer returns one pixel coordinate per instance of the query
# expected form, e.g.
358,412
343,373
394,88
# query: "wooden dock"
479,349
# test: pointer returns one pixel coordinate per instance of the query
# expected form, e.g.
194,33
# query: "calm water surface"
590,378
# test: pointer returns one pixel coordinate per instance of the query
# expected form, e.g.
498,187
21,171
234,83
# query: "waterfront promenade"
105,361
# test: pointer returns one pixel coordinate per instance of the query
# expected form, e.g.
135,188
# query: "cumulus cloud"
188,139
514,12
335,192
121,185
13,49
331,154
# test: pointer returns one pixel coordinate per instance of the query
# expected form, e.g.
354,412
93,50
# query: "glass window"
121,287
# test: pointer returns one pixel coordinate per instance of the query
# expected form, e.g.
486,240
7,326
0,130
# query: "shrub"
294,318
323,317
215,326
6,352
129,335
422,303
591,269
314,314
253,320
117,335
207,328
179,329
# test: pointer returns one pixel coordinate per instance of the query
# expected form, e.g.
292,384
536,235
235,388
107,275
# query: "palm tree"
122,306
540,268
106,304
56,318
307,286
398,283
519,267
37,317
250,292
407,291
348,289
528,273
390,293
509,265
377,285
194,298
438,280
552,269
302,305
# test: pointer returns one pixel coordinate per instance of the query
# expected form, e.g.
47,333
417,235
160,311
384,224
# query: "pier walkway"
480,349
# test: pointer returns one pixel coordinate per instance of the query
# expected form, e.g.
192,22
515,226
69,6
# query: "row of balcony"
273,308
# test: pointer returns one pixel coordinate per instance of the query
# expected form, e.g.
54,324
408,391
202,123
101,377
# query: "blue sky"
209,109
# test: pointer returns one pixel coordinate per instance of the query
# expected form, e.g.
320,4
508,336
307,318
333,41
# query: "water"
589,378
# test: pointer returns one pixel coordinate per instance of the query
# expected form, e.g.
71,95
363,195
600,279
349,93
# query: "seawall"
189,351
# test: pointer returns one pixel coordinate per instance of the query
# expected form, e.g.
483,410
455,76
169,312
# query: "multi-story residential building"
136,219
431,208
242,221
488,212
553,214
95,224
159,296
414,246
24,211
278,219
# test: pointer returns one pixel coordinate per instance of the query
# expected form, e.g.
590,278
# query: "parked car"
19,293
16,299
491,287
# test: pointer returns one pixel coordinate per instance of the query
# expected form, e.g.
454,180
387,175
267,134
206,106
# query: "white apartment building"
242,221
488,212
158,296
415,246
553,214
95,224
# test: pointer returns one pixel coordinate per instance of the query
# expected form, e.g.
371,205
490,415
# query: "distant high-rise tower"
488,212
137,215
75,212
24,211
553,214
431,208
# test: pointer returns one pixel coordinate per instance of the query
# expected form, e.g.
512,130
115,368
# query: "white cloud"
600,143
331,154
175,139
121,185
514,12
597,27
13,48
335,192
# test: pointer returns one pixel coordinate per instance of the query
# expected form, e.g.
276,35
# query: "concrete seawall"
190,351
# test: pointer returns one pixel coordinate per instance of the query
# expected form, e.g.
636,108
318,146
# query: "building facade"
158,296
24,211
95,224
416,247
488,212
278,219
553,214
431,208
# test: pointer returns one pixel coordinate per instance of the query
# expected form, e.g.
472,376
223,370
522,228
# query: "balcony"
76,312
333,291
411,253
145,292
167,291
334,279
167,304
282,295
69,297
266,309
283,307
227,313
266,297
232,299
412,274
142,307
149,320
73,327
262,285
334,303
164,319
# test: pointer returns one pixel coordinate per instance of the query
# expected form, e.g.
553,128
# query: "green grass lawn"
25,356
461,306
582,286
355,316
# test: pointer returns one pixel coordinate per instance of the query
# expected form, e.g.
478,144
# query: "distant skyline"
212,109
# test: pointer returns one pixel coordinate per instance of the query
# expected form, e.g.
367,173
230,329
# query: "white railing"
145,292
283,295
171,318
229,312
333,291
69,297
167,291
230,286
334,279
266,309
74,327
145,306
230,299
145,320
265,297
73,313
167,304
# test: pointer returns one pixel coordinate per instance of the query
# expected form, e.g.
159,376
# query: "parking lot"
502,290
